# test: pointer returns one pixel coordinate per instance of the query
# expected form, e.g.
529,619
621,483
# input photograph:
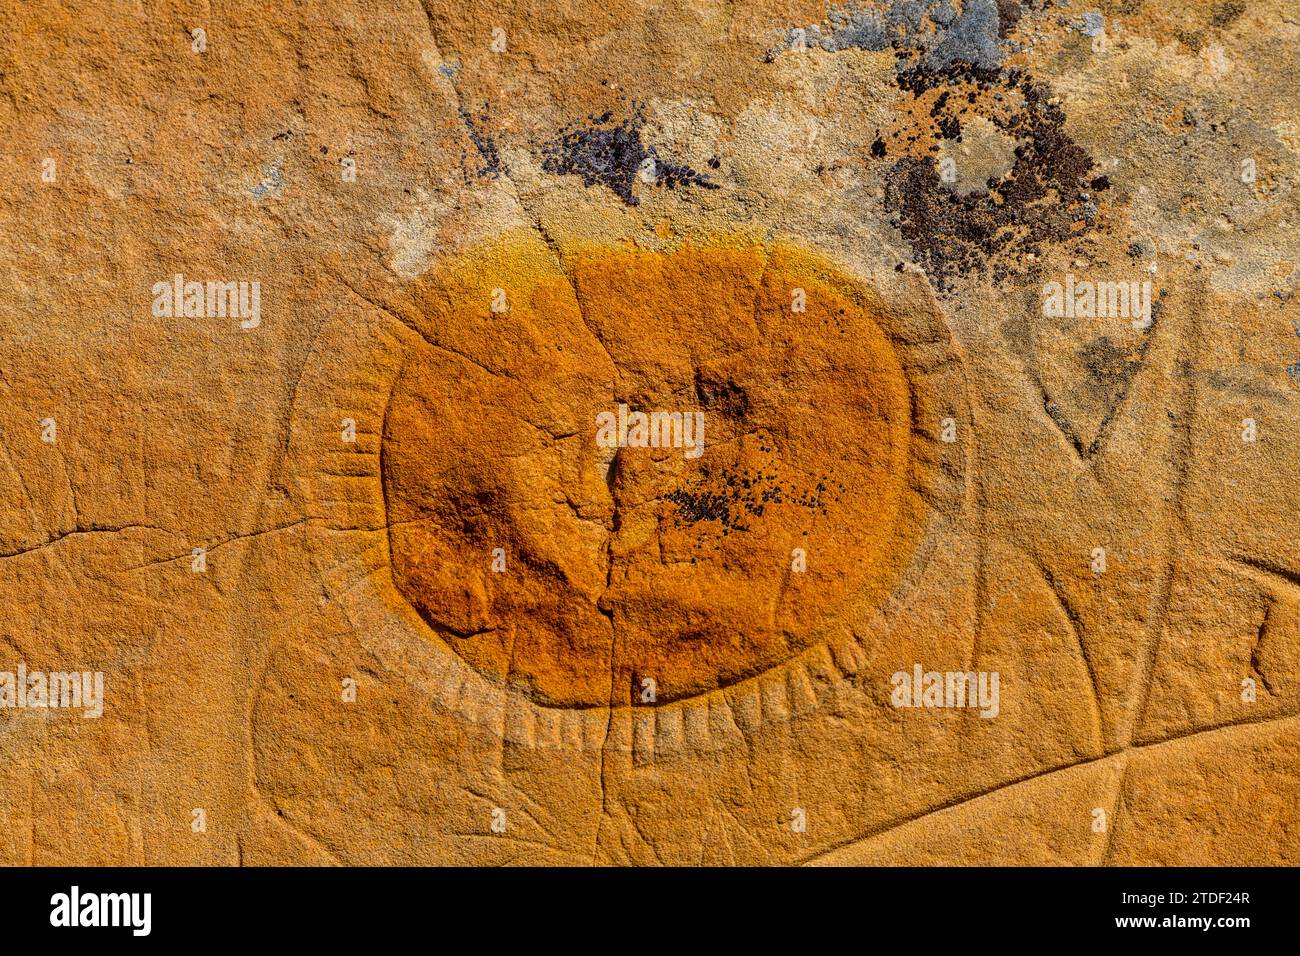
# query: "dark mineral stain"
609,151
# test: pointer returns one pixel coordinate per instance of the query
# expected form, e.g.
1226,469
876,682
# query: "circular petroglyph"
641,481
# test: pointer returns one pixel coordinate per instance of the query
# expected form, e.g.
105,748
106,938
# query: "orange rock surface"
365,584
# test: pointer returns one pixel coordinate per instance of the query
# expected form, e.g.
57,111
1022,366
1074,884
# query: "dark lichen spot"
488,164
608,151
733,498
1009,12
1042,199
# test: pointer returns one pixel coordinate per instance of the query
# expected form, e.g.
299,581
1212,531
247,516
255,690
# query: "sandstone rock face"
711,433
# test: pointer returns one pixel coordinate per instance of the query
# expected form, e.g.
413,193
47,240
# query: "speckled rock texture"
577,433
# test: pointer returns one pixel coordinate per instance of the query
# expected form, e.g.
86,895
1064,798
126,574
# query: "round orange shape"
591,576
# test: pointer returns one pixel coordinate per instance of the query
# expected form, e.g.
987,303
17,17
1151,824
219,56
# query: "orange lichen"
622,567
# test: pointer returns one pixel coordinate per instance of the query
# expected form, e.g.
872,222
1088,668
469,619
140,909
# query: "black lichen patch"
1047,197
609,151
487,163
959,50
732,499
1009,13
916,78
